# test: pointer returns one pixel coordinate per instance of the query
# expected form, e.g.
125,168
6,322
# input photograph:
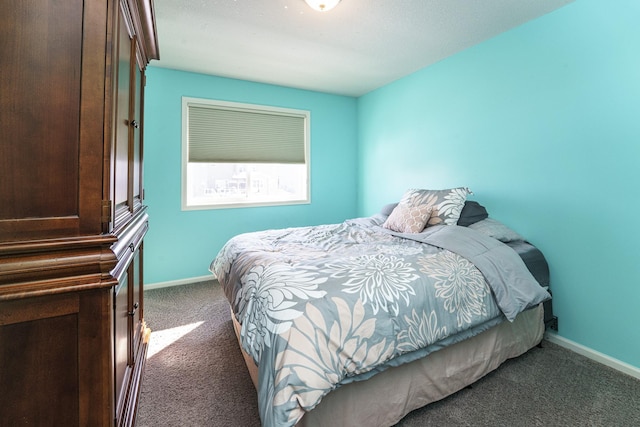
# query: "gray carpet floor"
195,376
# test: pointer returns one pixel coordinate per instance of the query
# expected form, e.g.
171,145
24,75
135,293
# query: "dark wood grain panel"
39,375
40,61
26,310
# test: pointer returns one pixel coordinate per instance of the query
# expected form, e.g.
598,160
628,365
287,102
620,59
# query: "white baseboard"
159,285
593,354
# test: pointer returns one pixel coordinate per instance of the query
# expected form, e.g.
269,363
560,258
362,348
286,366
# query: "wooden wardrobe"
73,340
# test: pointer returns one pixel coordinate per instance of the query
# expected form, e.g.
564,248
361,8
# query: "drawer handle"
135,307
132,247
135,124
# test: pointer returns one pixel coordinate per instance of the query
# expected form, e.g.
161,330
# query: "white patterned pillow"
446,204
408,219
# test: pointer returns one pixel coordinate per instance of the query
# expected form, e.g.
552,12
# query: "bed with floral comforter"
326,305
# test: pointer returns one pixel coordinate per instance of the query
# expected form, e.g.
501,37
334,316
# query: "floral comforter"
326,305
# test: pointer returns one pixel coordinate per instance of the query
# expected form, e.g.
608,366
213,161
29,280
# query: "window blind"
232,135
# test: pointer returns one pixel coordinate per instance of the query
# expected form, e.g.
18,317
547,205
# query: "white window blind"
241,155
230,134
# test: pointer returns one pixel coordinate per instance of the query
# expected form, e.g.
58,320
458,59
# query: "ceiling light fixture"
322,5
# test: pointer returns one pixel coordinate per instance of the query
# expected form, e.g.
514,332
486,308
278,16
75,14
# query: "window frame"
241,106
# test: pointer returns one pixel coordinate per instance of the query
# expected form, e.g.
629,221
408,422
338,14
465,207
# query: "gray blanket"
514,286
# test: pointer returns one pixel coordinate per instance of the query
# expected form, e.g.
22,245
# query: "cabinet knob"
135,124
135,307
132,247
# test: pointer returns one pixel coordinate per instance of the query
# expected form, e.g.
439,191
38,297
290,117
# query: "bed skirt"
387,397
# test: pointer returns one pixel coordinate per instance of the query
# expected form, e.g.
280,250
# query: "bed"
361,322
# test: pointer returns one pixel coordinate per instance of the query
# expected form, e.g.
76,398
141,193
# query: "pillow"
446,204
408,219
497,230
472,212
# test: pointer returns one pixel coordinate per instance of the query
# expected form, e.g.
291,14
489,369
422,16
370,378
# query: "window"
236,155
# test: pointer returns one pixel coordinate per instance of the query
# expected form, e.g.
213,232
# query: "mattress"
533,259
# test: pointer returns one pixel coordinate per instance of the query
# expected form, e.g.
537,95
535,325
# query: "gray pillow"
472,212
497,230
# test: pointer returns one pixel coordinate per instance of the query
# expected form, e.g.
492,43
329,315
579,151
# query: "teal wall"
181,244
543,124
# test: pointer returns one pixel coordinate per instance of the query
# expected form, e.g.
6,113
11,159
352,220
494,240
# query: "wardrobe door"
122,343
137,94
124,124
128,338
136,302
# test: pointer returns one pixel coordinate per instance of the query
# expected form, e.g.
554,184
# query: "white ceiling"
353,49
